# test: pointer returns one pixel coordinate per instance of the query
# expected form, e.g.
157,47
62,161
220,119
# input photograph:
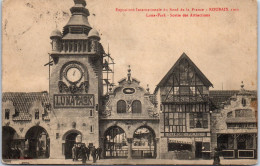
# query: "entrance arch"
144,143
37,143
70,138
8,142
115,143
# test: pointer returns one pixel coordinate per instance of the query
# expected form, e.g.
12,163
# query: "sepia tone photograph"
170,82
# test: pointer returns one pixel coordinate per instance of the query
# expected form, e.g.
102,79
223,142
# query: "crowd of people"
84,153
12,153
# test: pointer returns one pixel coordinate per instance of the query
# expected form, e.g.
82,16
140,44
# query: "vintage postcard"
129,82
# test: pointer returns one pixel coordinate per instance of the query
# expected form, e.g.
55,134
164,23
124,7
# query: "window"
136,106
174,122
121,106
37,114
57,135
243,102
179,147
91,129
91,113
198,120
7,113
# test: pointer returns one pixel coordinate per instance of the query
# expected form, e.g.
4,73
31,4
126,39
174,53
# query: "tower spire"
79,19
129,74
82,2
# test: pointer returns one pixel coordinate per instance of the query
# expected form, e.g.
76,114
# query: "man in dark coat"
99,151
216,157
93,153
77,153
73,153
87,152
83,154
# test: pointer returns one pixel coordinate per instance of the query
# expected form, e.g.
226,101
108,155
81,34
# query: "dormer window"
136,106
243,102
121,106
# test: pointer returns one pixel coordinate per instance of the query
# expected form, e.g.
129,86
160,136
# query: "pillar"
235,141
101,143
130,141
157,148
193,149
254,141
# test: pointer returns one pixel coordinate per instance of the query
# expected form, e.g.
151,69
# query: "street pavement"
134,162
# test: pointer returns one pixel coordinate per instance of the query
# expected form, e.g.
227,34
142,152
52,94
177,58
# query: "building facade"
180,120
129,122
183,96
234,124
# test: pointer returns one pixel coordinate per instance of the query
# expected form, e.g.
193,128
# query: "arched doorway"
144,144
8,142
71,138
115,143
37,143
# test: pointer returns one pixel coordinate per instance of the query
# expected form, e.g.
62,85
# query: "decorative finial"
148,89
129,74
110,88
242,85
83,2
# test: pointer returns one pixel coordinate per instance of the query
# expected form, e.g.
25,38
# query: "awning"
180,140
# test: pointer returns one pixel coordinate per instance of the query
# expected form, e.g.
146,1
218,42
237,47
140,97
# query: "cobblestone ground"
134,162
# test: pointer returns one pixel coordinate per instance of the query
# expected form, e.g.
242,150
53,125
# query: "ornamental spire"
129,79
242,86
83,2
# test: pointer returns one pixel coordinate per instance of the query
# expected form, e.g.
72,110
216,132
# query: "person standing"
83,154
87,152
74,152
99,151
94,152
216,157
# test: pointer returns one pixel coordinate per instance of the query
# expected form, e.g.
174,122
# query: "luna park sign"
73,101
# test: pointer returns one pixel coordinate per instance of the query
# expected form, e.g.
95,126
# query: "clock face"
74,74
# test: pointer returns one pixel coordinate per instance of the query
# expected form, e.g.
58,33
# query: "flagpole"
49,72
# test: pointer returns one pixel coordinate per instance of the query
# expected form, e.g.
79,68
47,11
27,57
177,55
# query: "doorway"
115,143
69,143
144,144
37,143
198,151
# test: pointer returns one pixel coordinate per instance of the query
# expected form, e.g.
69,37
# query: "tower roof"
93,33
56,33
78,19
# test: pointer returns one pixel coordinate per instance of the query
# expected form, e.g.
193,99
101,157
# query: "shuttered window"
136,106
121,106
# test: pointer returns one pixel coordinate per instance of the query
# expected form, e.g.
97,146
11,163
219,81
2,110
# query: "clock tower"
75,83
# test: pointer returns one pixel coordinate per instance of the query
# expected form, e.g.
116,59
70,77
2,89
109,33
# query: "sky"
223,46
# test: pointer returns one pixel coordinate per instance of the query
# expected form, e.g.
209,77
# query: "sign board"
186,134
73,100
180,140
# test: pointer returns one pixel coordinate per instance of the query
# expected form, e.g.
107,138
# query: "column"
235,141
130,141
157,140
101,144
63,46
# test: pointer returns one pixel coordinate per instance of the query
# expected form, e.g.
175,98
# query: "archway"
71,138
144,143
115,143
37,143
8,142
